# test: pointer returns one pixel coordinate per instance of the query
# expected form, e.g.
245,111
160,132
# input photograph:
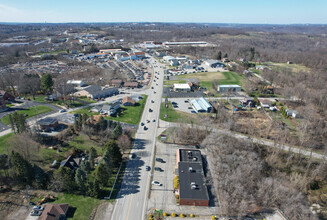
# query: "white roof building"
182,87
76,82
229,88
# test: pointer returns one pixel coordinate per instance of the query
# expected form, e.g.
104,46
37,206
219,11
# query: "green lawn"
84,205
206,78
126,114
36,110
174,115
86,111
4,143
231,78
130,114
83,142
85,99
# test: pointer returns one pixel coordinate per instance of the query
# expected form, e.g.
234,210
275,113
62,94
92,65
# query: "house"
106,109
128,101
292,113
229,88
201,105
247,101
116,82
182,87
214,63
7,96
174,62
54,211
265,103
78,83
139,55
71,162
95,92
131,84
192,189
48,124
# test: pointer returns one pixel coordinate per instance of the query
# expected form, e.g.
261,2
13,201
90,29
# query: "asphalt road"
132,198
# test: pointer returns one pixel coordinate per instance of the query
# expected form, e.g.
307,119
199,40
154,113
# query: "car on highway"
142,124
154,92
38,208
159,159
156,183
145,128
152,101
154,120
35,213
62,110
186,101
147,168
174,103
152,87
150,110
148,121
158,169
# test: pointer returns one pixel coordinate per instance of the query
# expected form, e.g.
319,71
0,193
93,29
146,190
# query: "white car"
62,110
156,183
38,208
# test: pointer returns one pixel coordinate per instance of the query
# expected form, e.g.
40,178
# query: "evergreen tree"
102,174
219,55
226,55
113,152
22,169
46,83
80,179
66,178
118,130
92,156
85,166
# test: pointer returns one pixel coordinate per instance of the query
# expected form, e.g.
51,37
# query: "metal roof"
201,104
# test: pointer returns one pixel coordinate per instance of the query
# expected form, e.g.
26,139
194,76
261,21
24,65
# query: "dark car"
174,103
147,168
142,123
150,110
145,128
159,159
76,115
158,169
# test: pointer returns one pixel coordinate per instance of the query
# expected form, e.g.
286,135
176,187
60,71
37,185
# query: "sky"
200,11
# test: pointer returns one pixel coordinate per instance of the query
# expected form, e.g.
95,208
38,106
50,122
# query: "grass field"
84,205
36,110
130,114
127,114
174,115
295,68
83,142
4,142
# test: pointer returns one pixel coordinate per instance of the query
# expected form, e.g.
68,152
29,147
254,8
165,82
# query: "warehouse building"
201,105
192,189
229,88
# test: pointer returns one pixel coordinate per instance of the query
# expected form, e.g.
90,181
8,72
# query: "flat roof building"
183,87
229,88
214,63
192,188
201,105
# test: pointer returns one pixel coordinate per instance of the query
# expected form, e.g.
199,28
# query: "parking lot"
162,197
182,105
